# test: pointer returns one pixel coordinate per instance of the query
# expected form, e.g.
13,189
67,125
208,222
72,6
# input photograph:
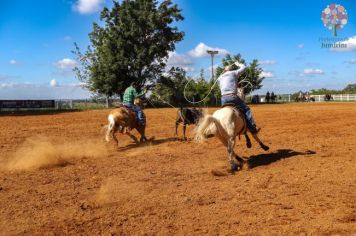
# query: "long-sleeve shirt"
228,80
130,94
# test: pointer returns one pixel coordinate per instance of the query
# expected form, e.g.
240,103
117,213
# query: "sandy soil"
58,178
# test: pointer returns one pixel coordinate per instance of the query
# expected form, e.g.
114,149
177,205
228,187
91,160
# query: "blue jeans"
241,105
139,113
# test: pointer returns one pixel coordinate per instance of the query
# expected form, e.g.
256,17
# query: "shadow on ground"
268,158
150,142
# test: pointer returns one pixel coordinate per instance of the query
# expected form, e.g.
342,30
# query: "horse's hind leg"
263,146
229,143
114,136
233,156
184,130
177,124
110,132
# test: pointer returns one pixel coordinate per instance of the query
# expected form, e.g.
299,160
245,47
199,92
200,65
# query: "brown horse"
124,119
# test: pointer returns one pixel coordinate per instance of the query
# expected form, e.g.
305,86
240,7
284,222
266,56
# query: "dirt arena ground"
58,177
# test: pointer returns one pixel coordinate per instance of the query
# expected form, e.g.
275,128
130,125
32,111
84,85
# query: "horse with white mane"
226,123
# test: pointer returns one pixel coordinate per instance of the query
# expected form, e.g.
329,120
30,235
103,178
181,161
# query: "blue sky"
37,38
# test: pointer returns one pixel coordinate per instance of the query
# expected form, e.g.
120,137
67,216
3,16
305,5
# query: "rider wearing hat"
228,81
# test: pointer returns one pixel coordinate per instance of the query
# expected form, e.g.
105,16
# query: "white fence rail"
336,97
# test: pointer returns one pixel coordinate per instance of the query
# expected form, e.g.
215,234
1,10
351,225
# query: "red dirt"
305,184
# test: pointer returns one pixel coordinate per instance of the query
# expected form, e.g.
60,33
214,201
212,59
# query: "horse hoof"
264,147
234,167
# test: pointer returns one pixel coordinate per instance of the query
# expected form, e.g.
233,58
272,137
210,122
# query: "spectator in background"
268,97
273,97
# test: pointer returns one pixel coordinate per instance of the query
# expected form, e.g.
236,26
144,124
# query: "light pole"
212,54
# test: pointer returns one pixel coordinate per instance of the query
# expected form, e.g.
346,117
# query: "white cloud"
87,6
53,83
180,60
300,46
65,64
311,72
67,38
175,59
201,48
350,45
13,62
267,74
267,62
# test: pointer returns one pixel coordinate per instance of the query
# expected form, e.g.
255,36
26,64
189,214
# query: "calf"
187,116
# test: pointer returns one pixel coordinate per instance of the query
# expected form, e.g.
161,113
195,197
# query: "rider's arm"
134,92
240,70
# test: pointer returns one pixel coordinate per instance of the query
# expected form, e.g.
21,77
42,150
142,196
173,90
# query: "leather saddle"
228,105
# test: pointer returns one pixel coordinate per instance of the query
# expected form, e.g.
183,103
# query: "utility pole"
212,54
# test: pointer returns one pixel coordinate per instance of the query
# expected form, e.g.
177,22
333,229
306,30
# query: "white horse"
226,123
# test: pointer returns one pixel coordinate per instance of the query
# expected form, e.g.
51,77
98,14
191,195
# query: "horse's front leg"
132,137
263,146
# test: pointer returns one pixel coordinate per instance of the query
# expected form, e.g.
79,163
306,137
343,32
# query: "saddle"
121,105
228,105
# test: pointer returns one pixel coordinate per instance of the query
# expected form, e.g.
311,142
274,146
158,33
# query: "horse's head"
198,113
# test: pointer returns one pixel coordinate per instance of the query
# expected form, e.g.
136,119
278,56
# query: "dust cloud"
40,152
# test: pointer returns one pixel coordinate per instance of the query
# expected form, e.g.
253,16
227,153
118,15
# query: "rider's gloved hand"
239,64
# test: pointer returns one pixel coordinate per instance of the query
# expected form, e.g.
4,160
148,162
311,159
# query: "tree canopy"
349,89
172,85
131,46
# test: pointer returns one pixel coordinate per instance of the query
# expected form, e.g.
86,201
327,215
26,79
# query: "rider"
228,86
128,100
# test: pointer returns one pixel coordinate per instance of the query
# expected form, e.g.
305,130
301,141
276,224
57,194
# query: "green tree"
251,79
350,88
131,46
170,87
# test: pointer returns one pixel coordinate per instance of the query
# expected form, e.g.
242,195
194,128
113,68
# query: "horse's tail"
110,127
208,125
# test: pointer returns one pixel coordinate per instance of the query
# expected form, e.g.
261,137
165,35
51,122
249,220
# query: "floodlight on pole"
212,53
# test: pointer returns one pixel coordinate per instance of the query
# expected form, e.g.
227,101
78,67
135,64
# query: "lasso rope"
244,80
